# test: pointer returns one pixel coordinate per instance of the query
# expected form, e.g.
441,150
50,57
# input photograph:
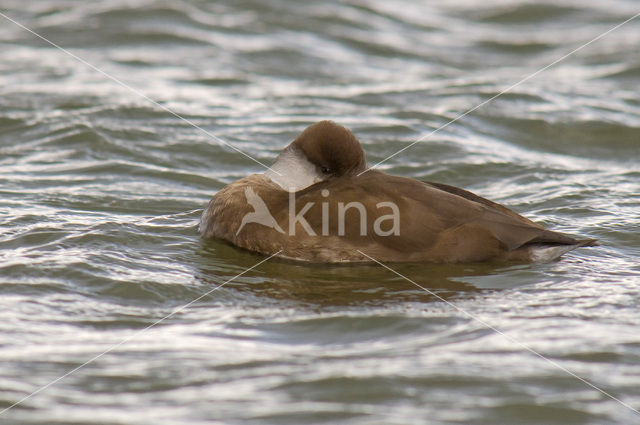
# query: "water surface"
101,191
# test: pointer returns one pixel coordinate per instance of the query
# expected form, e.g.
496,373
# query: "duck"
320,203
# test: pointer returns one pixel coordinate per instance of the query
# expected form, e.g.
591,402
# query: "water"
101,191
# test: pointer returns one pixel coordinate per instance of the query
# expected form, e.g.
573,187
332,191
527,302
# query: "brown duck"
319,203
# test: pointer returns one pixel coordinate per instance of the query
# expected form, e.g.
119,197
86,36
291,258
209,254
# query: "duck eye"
325,170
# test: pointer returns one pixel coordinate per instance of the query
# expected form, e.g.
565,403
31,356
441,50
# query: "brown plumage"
436,222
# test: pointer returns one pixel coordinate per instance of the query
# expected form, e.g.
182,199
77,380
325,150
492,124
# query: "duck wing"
518,232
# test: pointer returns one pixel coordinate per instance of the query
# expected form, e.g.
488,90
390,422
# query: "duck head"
322,151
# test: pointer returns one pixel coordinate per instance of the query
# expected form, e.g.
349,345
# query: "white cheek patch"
292,171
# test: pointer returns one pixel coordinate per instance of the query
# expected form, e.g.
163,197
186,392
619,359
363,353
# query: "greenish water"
101,192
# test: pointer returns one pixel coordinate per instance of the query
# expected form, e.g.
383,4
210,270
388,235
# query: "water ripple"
101,192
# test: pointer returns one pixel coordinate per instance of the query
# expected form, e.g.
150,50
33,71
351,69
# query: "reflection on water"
350,284
101,191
